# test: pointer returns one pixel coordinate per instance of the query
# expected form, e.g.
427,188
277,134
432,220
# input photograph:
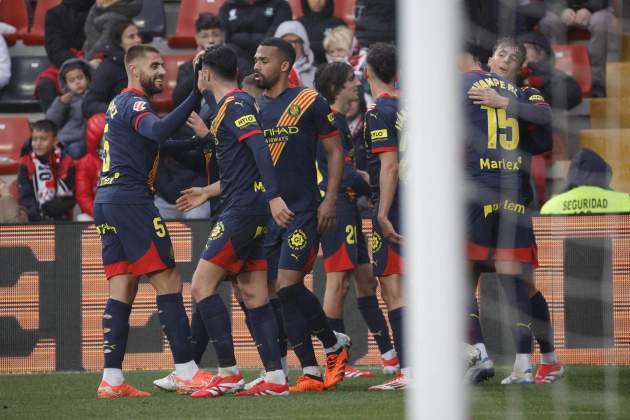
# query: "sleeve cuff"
384,149
138,118
330,134
249,134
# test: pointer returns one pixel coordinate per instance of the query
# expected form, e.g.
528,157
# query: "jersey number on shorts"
498,123
351,234
160,230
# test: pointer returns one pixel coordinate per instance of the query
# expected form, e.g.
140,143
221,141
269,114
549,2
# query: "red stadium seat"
574,60
343,9
13,133
36,35
15,13
163,102
184,36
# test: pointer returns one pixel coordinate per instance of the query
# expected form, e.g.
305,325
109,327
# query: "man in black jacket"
559,89
64,37
248,22
594,15
209,33
318,19
376,21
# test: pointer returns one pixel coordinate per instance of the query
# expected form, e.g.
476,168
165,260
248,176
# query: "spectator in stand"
594,15
294,33
46,176
5,63
376,21
588,189
318,19
65,111
340,44
111,77
209,33
64,37
248,22
103,15
559,89
10,211
89,168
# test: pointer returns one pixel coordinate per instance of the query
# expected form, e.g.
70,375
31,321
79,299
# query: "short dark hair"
44,125
117,29
512,42
285,48
330,79
139,51
222,60
78,65
382,58
207,21
250,79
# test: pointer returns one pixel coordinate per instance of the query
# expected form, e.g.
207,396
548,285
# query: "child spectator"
111,77
65,111
89,168
46,176
318,19
294,33
103,15
340,44
247,23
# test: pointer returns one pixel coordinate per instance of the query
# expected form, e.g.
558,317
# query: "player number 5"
498,120
160,230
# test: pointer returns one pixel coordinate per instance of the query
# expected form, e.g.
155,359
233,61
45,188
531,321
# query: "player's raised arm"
145,72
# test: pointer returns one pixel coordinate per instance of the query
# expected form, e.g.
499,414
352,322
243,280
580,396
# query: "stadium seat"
13,133
163,102
184,36
36,35
610,112
574,60
19,95
15,13
617,76
152,19
614,146
344,9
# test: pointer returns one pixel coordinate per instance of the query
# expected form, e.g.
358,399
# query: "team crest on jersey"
294,110
217,231
139,106
331,117
297,240
376,242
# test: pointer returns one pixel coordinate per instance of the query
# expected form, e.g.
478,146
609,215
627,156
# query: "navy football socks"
199,336
396,321
475,334
298,331
282,335
175,325
115,332
541,325
516,294
265,333
373,317
308,305
216,318
337,324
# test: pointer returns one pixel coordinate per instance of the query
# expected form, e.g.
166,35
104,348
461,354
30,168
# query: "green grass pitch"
586,393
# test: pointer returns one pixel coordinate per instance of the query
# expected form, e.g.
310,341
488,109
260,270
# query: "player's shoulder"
532,94
133,100
241,100
472,76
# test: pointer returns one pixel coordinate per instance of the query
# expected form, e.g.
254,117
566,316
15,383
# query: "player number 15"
498,120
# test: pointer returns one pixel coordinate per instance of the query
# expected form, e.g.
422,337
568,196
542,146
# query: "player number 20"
498,120
351,234
160,230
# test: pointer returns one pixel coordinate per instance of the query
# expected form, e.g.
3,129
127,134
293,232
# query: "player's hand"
191,198
196,123
326,215
488,97
388,231
280,212
583,17
364,175
568,17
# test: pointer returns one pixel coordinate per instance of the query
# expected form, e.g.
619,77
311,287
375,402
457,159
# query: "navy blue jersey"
131,160
236,121
293,122
493,154
382,133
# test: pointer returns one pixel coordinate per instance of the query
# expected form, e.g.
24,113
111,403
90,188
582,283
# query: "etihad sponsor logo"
281,131
243,121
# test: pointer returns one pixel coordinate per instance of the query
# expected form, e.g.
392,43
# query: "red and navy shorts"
499,227
386,256
294,248
235,243
345,247
134,239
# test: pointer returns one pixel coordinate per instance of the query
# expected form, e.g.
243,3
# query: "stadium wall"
53,290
